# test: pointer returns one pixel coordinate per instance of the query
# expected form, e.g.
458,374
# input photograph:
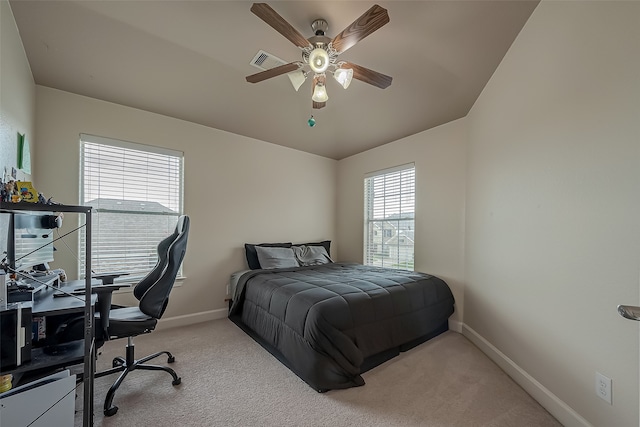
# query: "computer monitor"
29,240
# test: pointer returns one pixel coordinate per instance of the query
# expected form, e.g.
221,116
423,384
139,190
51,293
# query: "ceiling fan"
320,53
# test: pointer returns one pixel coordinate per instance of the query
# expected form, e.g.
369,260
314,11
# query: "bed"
330,322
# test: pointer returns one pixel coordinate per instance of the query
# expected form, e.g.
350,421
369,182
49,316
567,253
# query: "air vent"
265,61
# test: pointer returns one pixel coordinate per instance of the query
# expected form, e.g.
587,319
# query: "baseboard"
556,407
190,319
455,326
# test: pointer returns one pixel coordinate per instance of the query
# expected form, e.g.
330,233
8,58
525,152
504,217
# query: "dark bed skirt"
378,359
367,364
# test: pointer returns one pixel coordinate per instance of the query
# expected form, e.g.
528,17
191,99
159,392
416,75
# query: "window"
389,200
136,194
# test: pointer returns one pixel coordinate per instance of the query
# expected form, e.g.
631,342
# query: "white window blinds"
389,217
136,192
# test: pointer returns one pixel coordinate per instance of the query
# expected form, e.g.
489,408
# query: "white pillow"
311,255
276,257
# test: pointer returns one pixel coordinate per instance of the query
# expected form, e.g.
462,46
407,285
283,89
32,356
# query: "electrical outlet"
227,289
603,387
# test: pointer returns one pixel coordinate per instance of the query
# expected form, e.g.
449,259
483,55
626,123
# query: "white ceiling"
189,60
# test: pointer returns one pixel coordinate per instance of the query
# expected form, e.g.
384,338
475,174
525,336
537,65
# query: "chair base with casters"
129,322
128,364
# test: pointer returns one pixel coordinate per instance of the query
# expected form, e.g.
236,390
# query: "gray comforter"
327,322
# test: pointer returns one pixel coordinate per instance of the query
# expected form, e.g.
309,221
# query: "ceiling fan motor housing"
319,27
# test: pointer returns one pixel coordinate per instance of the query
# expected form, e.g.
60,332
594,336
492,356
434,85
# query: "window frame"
404,220
150,151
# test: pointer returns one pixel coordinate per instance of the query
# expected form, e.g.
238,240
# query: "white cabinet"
47,402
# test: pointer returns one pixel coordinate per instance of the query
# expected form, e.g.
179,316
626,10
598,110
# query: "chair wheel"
111,411
115,364
171,359
176,382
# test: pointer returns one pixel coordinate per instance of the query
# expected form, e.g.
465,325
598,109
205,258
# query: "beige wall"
237,189
528,207
17,94
439,157
553,209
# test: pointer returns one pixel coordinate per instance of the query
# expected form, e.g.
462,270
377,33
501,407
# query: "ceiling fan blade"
368,76
273,72
315,104
277,22
370,21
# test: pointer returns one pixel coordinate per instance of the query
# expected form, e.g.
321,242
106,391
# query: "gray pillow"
252,256
276,257
311,255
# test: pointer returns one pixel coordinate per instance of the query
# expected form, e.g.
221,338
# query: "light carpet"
230,380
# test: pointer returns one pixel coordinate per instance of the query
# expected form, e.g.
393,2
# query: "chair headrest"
182,221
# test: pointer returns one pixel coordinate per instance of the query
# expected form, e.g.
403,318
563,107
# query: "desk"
47,353
88,310
60,355
48,358
45,304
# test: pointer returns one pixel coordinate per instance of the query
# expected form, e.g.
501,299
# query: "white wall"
237,189
17,94
439,157
553,209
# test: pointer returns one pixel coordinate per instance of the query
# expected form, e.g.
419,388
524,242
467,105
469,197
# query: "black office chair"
126,322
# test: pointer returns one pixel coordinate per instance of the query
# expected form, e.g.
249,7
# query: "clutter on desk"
14,191
24,286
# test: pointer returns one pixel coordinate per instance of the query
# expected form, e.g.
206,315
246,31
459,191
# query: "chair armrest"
103,305
102,289
107,278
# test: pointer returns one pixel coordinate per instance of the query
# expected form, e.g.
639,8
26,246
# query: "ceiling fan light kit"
320,52
320,93
297,78
343,76
318,60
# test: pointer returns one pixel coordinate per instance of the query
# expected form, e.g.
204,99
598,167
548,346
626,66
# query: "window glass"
389,218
